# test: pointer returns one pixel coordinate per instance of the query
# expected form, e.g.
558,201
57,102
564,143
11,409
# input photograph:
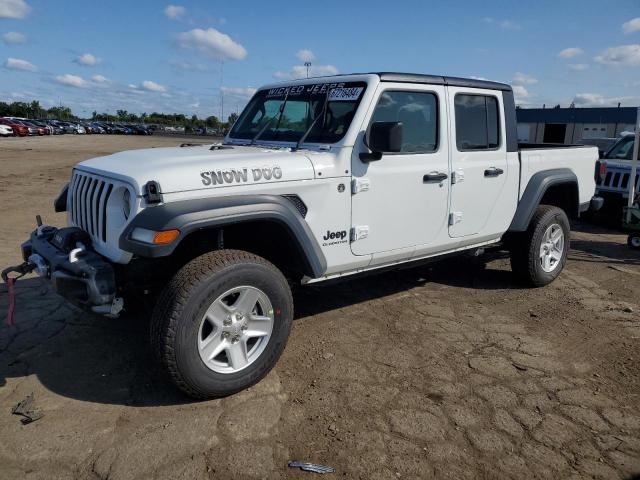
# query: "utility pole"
221,90
634,168
307,64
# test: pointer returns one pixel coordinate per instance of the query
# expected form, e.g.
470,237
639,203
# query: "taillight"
601,171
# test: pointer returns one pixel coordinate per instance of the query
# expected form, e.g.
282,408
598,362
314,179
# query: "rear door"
401,201
478,161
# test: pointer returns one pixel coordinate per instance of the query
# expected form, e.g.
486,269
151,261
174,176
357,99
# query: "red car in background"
41,131
18,128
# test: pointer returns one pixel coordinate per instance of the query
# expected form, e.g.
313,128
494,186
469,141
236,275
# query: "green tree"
232,119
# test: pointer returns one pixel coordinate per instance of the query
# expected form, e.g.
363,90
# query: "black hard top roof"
439,80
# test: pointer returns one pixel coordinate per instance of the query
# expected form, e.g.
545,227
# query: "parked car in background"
6,131
139,130
39,130
19,129
612,183
33,130
97,128
603,144
57,129
48,130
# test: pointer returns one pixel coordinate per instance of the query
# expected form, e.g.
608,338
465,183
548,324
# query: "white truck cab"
318,179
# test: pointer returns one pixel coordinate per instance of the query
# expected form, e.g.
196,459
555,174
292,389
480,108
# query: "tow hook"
21,270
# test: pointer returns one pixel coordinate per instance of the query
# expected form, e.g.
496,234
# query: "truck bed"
578,158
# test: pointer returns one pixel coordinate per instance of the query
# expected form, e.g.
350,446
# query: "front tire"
539,254
221,323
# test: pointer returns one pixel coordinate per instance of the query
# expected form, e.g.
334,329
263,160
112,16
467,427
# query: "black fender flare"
539,183
189,216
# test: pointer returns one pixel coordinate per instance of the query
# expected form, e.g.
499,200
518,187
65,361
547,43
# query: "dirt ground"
444,371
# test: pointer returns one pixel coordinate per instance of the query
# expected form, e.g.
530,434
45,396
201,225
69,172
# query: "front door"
400,201
478,161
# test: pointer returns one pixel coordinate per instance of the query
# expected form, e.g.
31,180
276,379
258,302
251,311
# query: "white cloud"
18,64
570,52
243,93
505,24
631,26
190,66
578,67
520,93
305,55
72,81
14,9
87,60
510,25
598,100
624,55
212,43
153,86
13,37
520,78
99,79
300,71
175,12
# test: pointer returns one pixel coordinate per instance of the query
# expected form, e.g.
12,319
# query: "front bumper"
77,272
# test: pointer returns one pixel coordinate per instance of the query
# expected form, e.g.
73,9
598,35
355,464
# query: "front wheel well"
268,239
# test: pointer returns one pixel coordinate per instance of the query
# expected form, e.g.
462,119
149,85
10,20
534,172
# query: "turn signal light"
163,238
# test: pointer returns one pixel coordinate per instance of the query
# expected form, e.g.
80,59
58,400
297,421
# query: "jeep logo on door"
334,238
242,175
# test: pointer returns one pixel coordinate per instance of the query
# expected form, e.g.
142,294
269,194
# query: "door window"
477,122
418,112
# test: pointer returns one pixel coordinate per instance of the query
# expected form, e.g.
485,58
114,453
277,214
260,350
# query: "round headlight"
126,203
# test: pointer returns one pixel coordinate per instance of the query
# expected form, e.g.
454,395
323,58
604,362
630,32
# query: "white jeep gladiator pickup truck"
318,179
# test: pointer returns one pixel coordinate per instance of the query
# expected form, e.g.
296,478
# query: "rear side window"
418,112
477,122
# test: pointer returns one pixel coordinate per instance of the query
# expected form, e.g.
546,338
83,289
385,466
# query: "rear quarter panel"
580,160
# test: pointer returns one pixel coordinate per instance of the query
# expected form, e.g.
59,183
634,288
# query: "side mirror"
383,137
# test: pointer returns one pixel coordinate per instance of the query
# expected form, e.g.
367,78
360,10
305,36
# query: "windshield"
302,104
623,150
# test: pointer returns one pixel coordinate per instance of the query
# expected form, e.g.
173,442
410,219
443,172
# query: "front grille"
89,195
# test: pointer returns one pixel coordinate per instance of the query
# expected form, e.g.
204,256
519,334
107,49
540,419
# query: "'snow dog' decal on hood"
241,175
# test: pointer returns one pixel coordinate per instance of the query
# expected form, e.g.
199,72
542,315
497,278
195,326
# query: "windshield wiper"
322,114
270,121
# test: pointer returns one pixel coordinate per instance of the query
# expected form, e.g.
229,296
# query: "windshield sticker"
315,89
345,94
242,175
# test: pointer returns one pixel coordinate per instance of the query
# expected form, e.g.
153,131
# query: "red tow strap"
12,300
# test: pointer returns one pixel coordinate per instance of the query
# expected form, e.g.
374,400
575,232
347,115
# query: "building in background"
571,125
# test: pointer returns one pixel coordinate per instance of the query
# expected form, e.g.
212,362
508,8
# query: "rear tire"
539,254
633,240
214,304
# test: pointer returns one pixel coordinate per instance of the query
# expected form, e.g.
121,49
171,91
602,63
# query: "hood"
179,169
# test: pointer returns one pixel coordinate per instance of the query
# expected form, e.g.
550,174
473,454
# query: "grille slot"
89,196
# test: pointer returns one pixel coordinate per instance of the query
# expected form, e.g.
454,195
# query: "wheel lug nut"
227,321
244,328
238,316
225,334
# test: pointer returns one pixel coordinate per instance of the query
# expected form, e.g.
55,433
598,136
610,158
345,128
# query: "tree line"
35,110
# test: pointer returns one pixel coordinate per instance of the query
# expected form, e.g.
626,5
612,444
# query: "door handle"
493,172
434,177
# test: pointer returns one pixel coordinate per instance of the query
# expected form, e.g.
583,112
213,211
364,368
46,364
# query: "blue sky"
143,55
